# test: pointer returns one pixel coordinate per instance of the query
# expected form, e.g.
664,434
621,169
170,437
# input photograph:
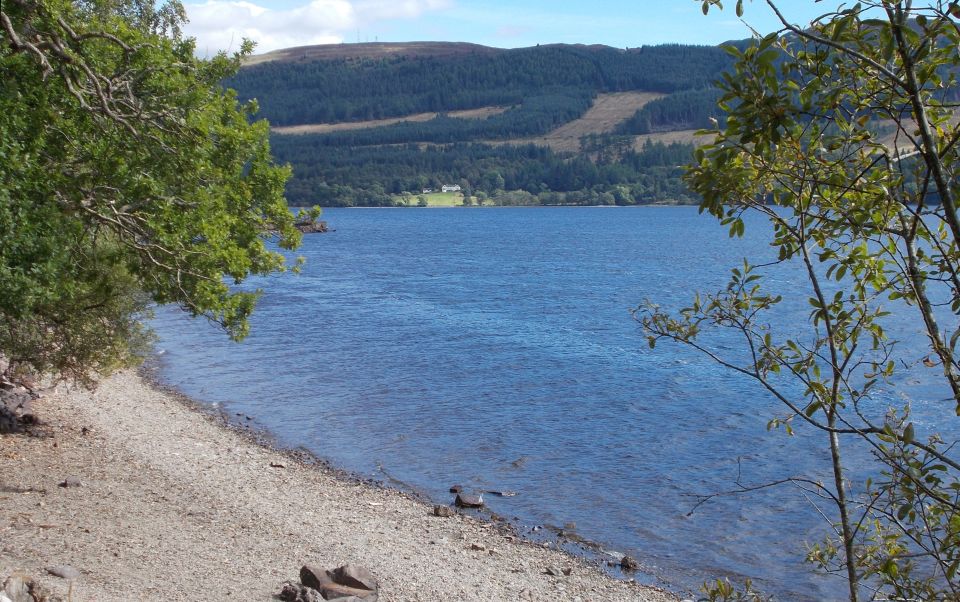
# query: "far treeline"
372,176
540,88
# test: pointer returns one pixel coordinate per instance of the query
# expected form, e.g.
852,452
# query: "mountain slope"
359,82
411,107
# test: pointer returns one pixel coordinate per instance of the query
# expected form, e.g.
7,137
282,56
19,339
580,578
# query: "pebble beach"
147,496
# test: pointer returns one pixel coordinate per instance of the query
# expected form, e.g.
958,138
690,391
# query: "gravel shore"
173,505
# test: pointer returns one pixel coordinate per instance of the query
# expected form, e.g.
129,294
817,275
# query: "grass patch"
434,199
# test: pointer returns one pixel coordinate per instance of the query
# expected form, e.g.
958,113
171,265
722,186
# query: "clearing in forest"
608,111
326,128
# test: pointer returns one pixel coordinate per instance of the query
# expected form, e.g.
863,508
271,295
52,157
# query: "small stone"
468,500
64,571
629,563
567,571
17,589
71,482
456,489
444,511
478,547
553,571
294,592
277,465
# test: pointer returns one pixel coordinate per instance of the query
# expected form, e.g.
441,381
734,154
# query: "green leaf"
908,434
952,569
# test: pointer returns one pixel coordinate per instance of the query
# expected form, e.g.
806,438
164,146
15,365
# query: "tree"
840,134
129,177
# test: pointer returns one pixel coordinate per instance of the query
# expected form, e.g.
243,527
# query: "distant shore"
173,504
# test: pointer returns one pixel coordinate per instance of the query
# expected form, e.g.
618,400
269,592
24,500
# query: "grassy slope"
324,128
436,199
608,111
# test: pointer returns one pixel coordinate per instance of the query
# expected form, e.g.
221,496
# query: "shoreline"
178,502
553,206
561,539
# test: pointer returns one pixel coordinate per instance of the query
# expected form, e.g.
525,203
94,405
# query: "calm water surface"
494,348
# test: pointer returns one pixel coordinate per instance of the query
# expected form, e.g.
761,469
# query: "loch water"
495,348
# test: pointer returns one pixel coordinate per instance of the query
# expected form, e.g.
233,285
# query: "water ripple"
494,348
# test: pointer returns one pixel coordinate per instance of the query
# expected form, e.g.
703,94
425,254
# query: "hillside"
376,50
593,116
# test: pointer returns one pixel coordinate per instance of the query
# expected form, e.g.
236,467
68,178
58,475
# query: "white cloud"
376,10
222,24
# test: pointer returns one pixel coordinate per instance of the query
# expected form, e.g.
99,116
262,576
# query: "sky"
273,24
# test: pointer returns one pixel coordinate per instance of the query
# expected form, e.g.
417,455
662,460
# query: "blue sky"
220,24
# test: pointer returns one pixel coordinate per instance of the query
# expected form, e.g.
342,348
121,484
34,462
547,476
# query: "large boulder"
469,500
16,409
355,576
348,583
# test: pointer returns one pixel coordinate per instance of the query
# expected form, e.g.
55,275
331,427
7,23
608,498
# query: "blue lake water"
494,348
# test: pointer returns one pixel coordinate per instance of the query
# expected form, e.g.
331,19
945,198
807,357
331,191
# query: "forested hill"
426,114
351,82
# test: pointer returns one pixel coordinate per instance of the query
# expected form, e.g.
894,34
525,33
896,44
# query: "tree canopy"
843,135
127,176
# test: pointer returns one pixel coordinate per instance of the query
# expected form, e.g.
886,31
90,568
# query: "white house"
454,188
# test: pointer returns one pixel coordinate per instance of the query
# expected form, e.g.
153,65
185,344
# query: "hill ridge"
357,50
